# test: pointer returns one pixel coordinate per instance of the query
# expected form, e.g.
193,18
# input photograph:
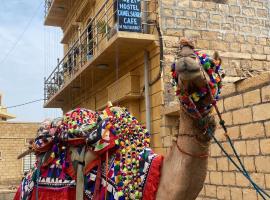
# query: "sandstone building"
112,52
14,138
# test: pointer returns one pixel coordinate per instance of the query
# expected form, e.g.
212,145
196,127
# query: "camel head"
197,78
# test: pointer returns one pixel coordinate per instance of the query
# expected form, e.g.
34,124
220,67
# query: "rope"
241,168
201,156
23,104
245,173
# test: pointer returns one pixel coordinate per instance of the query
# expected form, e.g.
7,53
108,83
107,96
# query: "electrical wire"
23,104
20,36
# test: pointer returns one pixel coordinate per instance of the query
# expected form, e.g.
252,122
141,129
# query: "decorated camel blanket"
125,167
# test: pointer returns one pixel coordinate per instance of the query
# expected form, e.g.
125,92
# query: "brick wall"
12,143
238,29
245,108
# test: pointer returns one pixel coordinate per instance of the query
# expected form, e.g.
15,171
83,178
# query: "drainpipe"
146,70
146,91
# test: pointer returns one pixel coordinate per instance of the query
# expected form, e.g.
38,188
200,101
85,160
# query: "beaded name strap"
215,72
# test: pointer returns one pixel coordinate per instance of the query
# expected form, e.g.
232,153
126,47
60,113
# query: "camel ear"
186,42
217,57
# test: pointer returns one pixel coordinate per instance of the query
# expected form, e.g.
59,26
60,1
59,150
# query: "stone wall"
13,138
238,29
245,108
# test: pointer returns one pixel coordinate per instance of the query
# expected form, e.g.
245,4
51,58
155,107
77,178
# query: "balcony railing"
96,35
48,4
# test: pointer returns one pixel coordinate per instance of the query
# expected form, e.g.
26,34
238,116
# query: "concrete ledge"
172,110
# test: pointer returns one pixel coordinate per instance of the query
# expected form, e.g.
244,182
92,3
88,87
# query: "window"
28,162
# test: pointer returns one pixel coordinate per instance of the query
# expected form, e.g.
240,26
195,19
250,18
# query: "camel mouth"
189,75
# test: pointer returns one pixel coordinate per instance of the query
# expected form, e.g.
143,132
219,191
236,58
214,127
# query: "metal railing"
100,29
48,4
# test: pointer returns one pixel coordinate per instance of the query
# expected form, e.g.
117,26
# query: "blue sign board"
129,15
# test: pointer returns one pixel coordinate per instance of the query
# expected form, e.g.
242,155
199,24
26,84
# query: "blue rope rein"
241,168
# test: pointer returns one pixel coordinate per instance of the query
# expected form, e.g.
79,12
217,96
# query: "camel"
106,155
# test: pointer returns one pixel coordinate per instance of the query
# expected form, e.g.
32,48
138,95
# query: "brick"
192,34
262,164
229,37
234,10
259,57
228,178
215,150
235,47
222,164
174,32
240,147
211,191
212,164
216,178
242,116
241,180
265,146
210,35
227,148
233,102
258,179
247,48
227,117
262,13
267,128
202,44
223,193
183,22
260,112
267,180
248,11
236,194
218,45
253,147
234,132
249,163
249,194
252,130
190,14
266,93
252,97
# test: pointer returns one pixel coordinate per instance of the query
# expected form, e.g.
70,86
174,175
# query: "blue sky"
22,72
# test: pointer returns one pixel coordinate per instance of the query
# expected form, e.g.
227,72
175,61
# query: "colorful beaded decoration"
78,121
131,143
215,72
120,132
